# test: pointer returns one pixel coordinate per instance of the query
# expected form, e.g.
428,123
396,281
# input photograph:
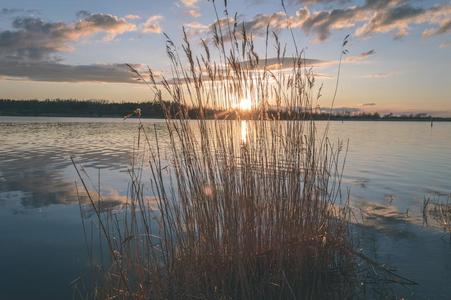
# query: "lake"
391,168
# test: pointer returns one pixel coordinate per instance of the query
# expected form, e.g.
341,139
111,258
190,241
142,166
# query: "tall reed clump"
438,206
243,209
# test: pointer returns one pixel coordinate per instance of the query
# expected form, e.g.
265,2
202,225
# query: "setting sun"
245,104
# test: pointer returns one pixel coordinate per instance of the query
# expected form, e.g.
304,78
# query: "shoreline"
333,118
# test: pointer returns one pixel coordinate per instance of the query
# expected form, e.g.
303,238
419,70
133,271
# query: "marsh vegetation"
235,209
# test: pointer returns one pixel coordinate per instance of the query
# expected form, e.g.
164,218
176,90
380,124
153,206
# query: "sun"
245,104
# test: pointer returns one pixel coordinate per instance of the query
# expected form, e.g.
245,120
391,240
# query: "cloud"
152,24
311,2
323,22
83,14
378,75
253,69
368,53
390,17
256,26
132,17
10,11
14,11
374,16
259,24
30,49
196,28
281,64
33,39
57,72
189,3
359,58
445,27
369,104
195,13
191,8
445,45
371,17
399,15
105,23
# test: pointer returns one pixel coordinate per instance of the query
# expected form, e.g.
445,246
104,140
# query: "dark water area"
391,168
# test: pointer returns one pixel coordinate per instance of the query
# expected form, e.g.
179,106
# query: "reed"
236,209
438,207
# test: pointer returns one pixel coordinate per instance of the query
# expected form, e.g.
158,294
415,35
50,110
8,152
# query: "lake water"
391,167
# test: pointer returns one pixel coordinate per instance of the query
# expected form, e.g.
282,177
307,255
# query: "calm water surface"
391,167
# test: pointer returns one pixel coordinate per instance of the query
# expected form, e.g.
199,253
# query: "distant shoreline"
356,119
154,110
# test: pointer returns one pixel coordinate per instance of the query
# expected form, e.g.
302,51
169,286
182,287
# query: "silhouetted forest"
149,109
76,108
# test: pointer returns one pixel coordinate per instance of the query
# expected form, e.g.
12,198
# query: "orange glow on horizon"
245,104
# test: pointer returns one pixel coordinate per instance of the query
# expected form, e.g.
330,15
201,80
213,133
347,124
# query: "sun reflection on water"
244,131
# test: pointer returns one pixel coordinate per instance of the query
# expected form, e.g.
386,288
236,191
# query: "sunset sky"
399,53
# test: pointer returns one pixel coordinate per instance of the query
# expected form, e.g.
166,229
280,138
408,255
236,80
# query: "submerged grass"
438,207
239,209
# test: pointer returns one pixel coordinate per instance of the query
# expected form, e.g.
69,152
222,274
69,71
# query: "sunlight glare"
245,104
244,132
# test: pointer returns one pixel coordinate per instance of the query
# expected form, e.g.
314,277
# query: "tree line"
152,109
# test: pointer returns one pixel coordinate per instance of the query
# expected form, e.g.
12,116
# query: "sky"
399,56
